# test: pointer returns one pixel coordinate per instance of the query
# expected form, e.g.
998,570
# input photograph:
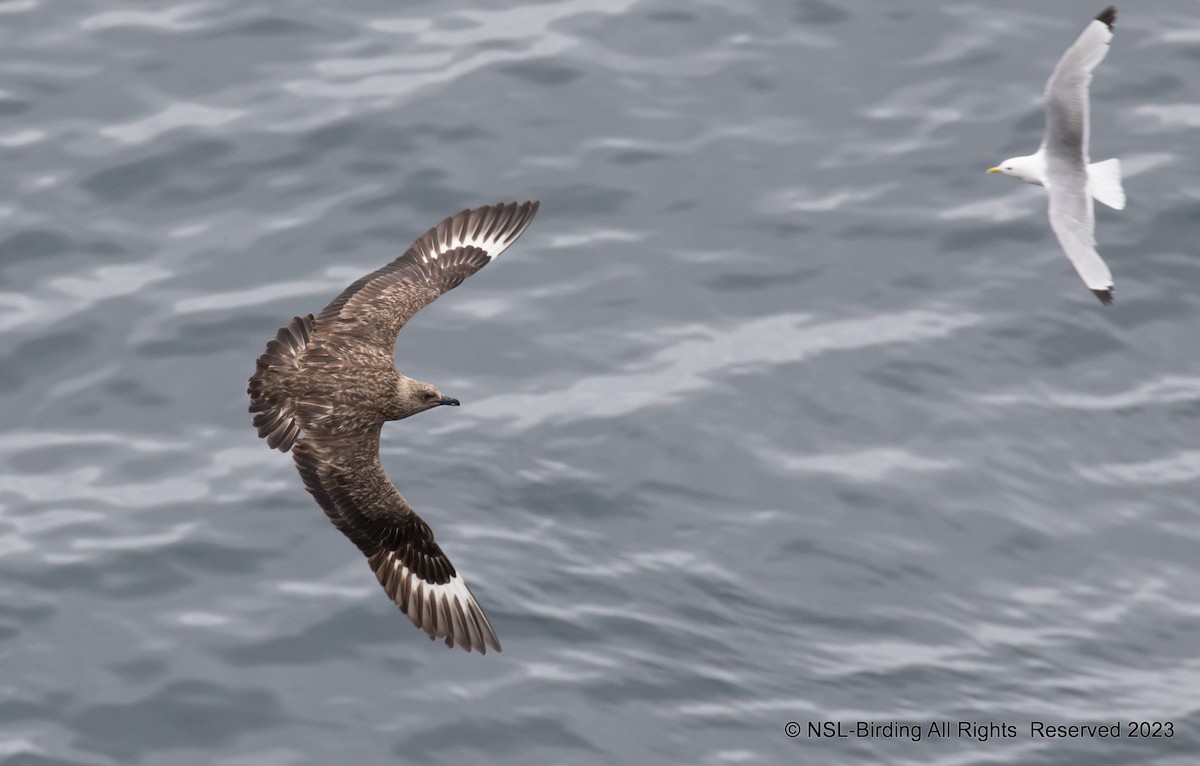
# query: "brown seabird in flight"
325,386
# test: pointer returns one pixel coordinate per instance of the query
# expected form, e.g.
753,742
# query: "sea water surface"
781,411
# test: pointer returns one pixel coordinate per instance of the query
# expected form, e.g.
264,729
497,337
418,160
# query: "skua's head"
417,396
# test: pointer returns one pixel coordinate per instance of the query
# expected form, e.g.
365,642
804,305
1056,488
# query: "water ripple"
1180,468
876,464
782,410
691,357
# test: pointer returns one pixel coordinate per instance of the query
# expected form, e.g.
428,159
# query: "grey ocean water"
782,410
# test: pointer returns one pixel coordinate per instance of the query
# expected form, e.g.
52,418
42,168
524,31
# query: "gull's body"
1061,163
326,385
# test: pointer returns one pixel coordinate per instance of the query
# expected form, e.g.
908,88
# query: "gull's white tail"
1104,183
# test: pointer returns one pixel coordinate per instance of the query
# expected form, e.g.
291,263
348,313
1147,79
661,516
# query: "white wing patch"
446,611
491,229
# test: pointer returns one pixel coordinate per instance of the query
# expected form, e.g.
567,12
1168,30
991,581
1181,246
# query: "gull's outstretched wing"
345,476
1073,224
1066,149
1067,90
372,310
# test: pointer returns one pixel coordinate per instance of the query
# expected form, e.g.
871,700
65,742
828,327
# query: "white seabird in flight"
1061,163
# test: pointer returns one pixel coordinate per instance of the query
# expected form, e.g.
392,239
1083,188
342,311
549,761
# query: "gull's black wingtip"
1105,296
1108,16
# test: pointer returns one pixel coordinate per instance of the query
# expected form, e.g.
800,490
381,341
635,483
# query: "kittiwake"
1061,163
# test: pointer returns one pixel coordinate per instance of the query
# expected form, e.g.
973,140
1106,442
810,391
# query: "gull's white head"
1031,169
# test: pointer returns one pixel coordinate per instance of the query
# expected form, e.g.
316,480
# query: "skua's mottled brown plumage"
325,386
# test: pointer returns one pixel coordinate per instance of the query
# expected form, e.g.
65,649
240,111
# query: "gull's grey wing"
347,480
372,310
1071,218
1067,91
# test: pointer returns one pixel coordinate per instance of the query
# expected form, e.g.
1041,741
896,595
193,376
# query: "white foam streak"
171,19
173,117
685,366
84,485
1171,115
1181,468
865,466
1171,389
75,294
441,56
